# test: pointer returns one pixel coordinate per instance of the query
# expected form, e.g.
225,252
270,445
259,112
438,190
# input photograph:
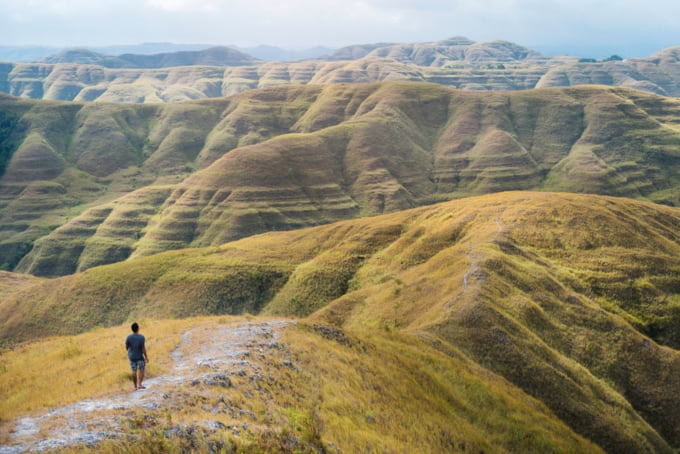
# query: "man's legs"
133,365
140,378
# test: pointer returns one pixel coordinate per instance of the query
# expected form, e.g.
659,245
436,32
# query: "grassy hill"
81,75
282,400
570,300
86,184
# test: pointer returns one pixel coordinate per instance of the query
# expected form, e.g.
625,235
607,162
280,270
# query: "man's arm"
146,358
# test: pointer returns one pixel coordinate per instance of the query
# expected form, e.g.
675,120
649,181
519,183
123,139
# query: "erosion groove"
202,173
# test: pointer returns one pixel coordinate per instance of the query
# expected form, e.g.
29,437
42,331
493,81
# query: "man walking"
137,355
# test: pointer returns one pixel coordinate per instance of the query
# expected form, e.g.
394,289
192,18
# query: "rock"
213,380
218,380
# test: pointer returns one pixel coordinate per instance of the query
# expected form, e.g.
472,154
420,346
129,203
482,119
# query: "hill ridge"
220,361
212,56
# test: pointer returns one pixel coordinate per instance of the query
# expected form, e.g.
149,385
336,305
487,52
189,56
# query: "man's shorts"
137,365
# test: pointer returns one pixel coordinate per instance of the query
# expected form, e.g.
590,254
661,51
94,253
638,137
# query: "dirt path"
474,271
224,350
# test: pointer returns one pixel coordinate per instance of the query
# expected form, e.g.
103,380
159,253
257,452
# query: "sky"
587,28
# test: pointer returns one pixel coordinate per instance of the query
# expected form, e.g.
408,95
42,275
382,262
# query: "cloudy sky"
629,28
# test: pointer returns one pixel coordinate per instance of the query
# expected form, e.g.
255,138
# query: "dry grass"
38,375
567,297
392,392
370,393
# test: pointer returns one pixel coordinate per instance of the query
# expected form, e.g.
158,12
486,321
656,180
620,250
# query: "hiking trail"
232,349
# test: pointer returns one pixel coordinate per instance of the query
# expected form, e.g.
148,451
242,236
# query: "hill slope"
89,184
262,388
571,298
456,62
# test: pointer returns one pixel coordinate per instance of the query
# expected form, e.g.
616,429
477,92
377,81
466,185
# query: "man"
137,355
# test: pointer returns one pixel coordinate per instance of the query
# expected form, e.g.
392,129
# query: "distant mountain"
36,53
76,56
273,53
442,53
26,53
214,56
85,75
149,48
262,52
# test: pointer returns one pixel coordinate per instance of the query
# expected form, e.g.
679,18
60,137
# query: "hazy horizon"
577,27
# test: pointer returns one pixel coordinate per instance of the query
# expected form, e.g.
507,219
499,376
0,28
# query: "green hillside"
570,298
87,184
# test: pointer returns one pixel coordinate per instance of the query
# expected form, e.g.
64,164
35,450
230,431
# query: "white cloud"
336,22
206,6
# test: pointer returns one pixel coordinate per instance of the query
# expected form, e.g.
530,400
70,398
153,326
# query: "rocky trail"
208,355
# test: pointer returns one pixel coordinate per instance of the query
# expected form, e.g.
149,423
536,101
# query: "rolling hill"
569,298
82,75
86,184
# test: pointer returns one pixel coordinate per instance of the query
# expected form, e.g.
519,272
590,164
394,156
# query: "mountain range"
262,52
85,75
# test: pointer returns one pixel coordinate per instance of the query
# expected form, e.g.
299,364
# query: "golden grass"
371,392
38,375
392,392
565,296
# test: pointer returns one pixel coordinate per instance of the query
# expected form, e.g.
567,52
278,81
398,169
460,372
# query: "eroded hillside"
572,298
81,75
89,184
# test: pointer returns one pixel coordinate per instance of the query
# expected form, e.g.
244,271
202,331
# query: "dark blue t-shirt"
135,347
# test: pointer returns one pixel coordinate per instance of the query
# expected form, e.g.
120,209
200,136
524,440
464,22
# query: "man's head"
135,327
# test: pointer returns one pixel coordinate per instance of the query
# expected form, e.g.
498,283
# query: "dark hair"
135,327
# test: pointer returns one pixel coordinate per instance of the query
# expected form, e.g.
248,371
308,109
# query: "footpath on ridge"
231,350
